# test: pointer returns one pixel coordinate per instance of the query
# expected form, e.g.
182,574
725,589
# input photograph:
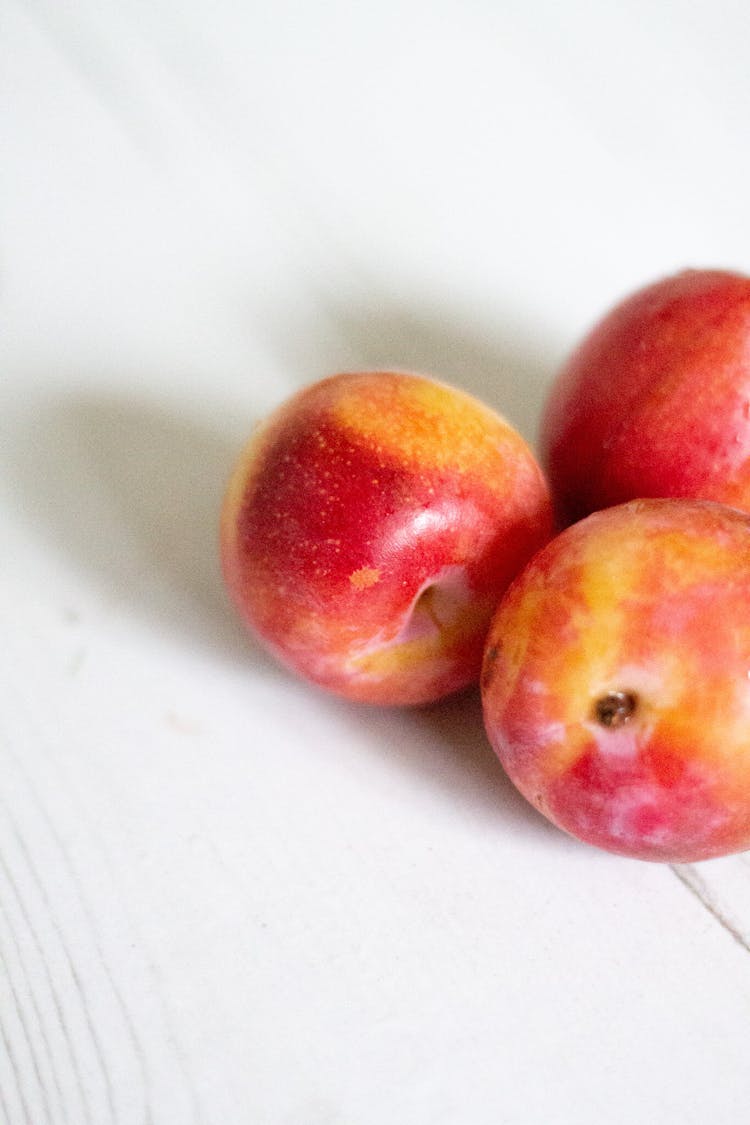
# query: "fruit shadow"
466,765
128,492
443,748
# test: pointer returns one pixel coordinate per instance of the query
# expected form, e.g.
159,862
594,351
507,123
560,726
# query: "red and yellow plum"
656,400
616,681
370,527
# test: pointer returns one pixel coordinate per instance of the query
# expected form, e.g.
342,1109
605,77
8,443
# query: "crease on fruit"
443,615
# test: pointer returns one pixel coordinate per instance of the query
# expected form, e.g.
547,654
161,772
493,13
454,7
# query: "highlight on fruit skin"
655,401
370,527
616,680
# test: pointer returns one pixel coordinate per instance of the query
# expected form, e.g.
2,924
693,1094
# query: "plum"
656,400
370,527
616,680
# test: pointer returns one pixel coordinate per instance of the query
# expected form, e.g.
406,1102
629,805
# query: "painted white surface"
224,897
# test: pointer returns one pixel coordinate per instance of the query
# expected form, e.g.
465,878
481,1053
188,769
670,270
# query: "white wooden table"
225,898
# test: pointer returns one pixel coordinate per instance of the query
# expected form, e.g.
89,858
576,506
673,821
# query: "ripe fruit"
616,681
656,400
370,527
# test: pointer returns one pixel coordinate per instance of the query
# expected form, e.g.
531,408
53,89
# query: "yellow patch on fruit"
422,652
425,423
365,577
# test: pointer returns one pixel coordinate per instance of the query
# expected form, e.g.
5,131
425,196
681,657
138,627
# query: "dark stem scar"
615,708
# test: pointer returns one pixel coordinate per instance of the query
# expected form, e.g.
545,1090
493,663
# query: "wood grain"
85,1031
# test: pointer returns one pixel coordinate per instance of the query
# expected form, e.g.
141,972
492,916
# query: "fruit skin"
647,602
370,527
656,400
